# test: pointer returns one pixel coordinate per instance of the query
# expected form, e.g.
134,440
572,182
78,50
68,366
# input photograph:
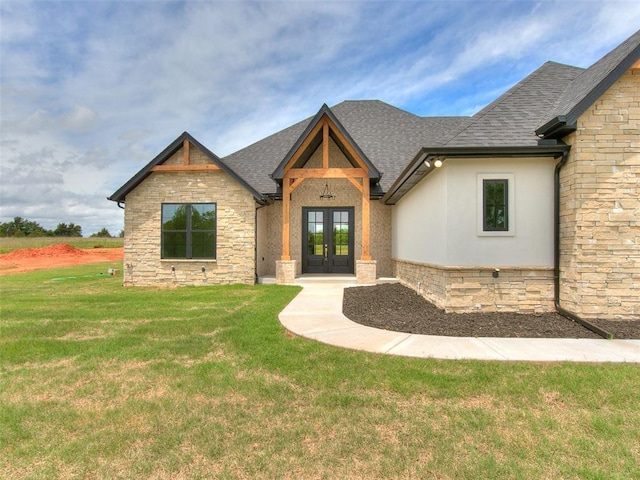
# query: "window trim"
511,220
188,233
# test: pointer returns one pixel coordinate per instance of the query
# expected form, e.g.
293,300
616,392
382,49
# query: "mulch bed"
398,308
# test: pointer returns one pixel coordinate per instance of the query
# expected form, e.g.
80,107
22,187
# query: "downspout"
556,259
255,243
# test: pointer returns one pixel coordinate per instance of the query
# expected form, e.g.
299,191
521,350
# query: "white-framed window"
496,205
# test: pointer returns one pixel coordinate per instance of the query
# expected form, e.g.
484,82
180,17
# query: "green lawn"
100,381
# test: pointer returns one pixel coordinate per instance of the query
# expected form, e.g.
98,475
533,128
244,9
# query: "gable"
324,127
180,156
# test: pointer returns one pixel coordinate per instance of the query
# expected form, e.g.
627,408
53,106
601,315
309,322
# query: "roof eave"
556,128
391,196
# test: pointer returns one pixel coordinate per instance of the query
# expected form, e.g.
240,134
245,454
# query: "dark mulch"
396,307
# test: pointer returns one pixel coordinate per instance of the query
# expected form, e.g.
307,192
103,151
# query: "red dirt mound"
60,255
50,251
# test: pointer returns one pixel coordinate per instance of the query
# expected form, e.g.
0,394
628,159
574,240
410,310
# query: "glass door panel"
327,240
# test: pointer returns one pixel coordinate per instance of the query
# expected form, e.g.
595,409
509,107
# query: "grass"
101,381
8,244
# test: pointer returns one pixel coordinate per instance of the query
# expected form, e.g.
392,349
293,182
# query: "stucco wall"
419,221
437,221
440,251
600,208
235,229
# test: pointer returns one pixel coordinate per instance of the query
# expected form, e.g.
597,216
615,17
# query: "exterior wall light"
427,163
437,163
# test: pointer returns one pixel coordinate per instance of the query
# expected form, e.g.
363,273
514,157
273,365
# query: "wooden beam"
350,149
636,66
185,168
186,158
286,193
325,146
325,173
304,145
356,183
295,184
366,221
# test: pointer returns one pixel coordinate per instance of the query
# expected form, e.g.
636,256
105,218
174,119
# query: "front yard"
100,381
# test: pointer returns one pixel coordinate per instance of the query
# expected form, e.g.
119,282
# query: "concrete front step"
307,279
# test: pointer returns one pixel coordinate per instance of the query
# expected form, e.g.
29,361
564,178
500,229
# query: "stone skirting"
286,271
475,289
366,272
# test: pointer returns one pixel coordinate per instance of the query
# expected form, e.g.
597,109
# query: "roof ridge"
387,105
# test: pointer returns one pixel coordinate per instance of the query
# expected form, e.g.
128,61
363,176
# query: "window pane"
315,236
495,205
174,245
174,216
203,245
203,217
188,230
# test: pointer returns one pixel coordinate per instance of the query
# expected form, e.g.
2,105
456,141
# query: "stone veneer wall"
236,210
308,195
468,289
600,208
269,238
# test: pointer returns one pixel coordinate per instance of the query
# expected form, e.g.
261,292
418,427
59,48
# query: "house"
530,205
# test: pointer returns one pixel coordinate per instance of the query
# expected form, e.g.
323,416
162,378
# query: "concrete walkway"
316,313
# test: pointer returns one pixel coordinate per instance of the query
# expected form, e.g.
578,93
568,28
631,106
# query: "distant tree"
104,233
21,227
64,230
121,234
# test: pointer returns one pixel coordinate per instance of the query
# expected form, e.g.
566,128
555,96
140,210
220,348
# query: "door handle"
326,250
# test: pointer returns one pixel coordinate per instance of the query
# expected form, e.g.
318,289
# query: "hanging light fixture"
326,193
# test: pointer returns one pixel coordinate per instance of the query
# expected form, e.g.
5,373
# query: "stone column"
285,271
366,272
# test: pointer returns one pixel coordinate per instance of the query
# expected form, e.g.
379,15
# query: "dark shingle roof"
513,117
388,136
257,161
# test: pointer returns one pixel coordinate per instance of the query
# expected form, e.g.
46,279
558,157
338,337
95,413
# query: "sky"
91,91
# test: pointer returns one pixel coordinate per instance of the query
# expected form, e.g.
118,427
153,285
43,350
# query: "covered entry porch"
326,205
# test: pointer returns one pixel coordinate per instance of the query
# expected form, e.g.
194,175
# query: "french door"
327,240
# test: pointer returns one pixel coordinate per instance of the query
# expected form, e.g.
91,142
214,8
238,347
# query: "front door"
327,245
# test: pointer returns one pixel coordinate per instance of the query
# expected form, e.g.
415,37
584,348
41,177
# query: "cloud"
92,91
